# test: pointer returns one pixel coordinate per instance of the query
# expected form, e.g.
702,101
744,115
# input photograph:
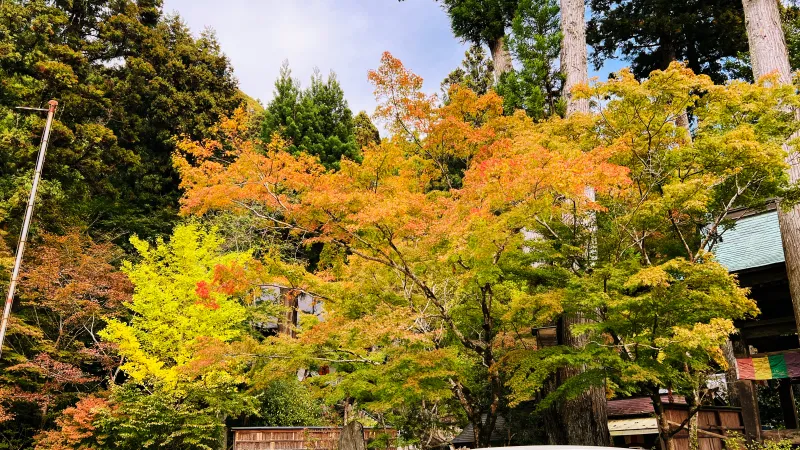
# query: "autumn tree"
184,306
70,288
660,306
430,280
769,55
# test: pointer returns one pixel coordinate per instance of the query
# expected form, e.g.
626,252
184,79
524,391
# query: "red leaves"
227,280
203,290
230,279
58,372
75,425
72,279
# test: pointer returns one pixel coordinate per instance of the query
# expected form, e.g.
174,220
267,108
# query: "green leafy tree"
791,29
184,310
484,22
316,120
652,34
535,42
288,403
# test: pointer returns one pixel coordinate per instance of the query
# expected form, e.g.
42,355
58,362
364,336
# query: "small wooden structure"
301,438
714,425
633,425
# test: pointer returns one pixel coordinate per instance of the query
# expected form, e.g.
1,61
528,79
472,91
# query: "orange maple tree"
427,265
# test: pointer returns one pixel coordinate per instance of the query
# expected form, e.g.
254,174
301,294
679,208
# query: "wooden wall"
714,424
317,438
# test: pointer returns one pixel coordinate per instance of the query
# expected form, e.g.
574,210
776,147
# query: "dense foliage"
129,81
475,73
322,274
652,34
430,280
535,42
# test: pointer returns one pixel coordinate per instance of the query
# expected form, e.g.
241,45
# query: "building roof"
467,435
754,241
634,426
638,406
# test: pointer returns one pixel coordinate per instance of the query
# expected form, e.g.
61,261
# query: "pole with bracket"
37,175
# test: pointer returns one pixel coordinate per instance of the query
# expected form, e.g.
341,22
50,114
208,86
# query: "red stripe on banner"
746,369
792,364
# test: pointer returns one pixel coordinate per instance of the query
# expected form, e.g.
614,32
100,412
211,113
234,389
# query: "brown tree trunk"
768,54
694,402
574,62
352,437
584,417
768,51
730,373
288,323
501,59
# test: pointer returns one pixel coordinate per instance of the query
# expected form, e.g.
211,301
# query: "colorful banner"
785,365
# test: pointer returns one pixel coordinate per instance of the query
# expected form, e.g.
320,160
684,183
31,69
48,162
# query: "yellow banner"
763,370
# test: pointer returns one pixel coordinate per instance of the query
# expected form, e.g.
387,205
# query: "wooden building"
752,249
632,423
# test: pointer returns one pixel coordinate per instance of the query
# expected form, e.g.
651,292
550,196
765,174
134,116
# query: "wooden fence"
309,438
714,424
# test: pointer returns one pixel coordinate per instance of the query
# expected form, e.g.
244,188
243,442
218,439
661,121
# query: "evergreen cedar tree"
129,81
315,120
535,43
475,73
709,35
427,280
365,132
482,22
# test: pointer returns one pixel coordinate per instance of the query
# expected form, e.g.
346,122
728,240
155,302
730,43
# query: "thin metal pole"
37,174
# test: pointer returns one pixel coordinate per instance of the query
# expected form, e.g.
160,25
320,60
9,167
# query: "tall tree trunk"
501,59
768,51
768,54
584,417
574,62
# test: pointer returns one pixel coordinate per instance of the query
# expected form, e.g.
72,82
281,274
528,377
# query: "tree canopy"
200,262
652,34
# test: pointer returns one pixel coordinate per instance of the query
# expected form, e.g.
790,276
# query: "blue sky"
346,36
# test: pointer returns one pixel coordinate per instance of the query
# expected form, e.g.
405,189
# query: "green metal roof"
754,241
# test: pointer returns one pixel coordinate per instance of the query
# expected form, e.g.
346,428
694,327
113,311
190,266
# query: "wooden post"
787,404
748,398
26,221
